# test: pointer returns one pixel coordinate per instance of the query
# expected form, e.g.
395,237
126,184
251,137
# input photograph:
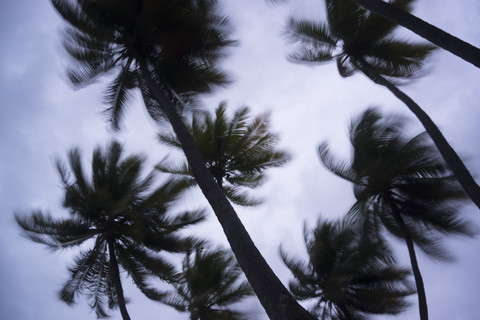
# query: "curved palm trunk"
451,158
117,282
422,298
433,34
277,301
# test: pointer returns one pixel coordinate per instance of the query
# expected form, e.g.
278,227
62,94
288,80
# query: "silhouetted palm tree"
347,277
126,223
360,41
167,49
402,186
208,285
236,151
392,12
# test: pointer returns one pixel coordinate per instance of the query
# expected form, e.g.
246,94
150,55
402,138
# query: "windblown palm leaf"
361,41
237,151
347,276
208,286
401,186
128,221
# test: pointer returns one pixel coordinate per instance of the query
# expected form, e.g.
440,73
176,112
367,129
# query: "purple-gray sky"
42,117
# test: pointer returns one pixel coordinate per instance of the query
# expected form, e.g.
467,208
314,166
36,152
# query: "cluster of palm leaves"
347,275
208,285
236,151
119,221
169,50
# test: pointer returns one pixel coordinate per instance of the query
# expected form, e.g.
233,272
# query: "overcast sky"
42,117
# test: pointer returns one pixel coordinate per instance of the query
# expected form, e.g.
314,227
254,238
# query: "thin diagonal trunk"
433,34
451,158
117,282
278,303
422,298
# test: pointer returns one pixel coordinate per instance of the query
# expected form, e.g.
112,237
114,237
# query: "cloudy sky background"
42,117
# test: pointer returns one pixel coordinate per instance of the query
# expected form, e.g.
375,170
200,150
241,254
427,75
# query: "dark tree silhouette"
168,49
236,150
129,223
360,41
444,40
348,277
208,285
402,186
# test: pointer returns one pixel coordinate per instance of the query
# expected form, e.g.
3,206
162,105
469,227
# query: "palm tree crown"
348,277
208,285
402,186
178,42
394,174
236,151
355,37
127,221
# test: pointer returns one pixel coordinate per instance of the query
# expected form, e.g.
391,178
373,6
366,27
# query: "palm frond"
310,32
341,169
169,139
398,59
55,233
140,266
173,300
241,197
83,274
182,169
118,94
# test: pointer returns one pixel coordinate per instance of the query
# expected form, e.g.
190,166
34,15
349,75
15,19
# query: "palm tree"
236,151
125,223
347,277
208,285
437,36
402,186
168,49
360,41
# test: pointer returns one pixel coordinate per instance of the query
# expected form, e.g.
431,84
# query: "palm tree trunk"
278,303
422,298
117,282
433,34
451,158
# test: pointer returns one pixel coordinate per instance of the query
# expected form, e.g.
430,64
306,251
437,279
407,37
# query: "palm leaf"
341,169
55,233
118,95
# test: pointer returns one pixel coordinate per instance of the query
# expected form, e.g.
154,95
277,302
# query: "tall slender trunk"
117,282
277,301
451,158
433,34
422,298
